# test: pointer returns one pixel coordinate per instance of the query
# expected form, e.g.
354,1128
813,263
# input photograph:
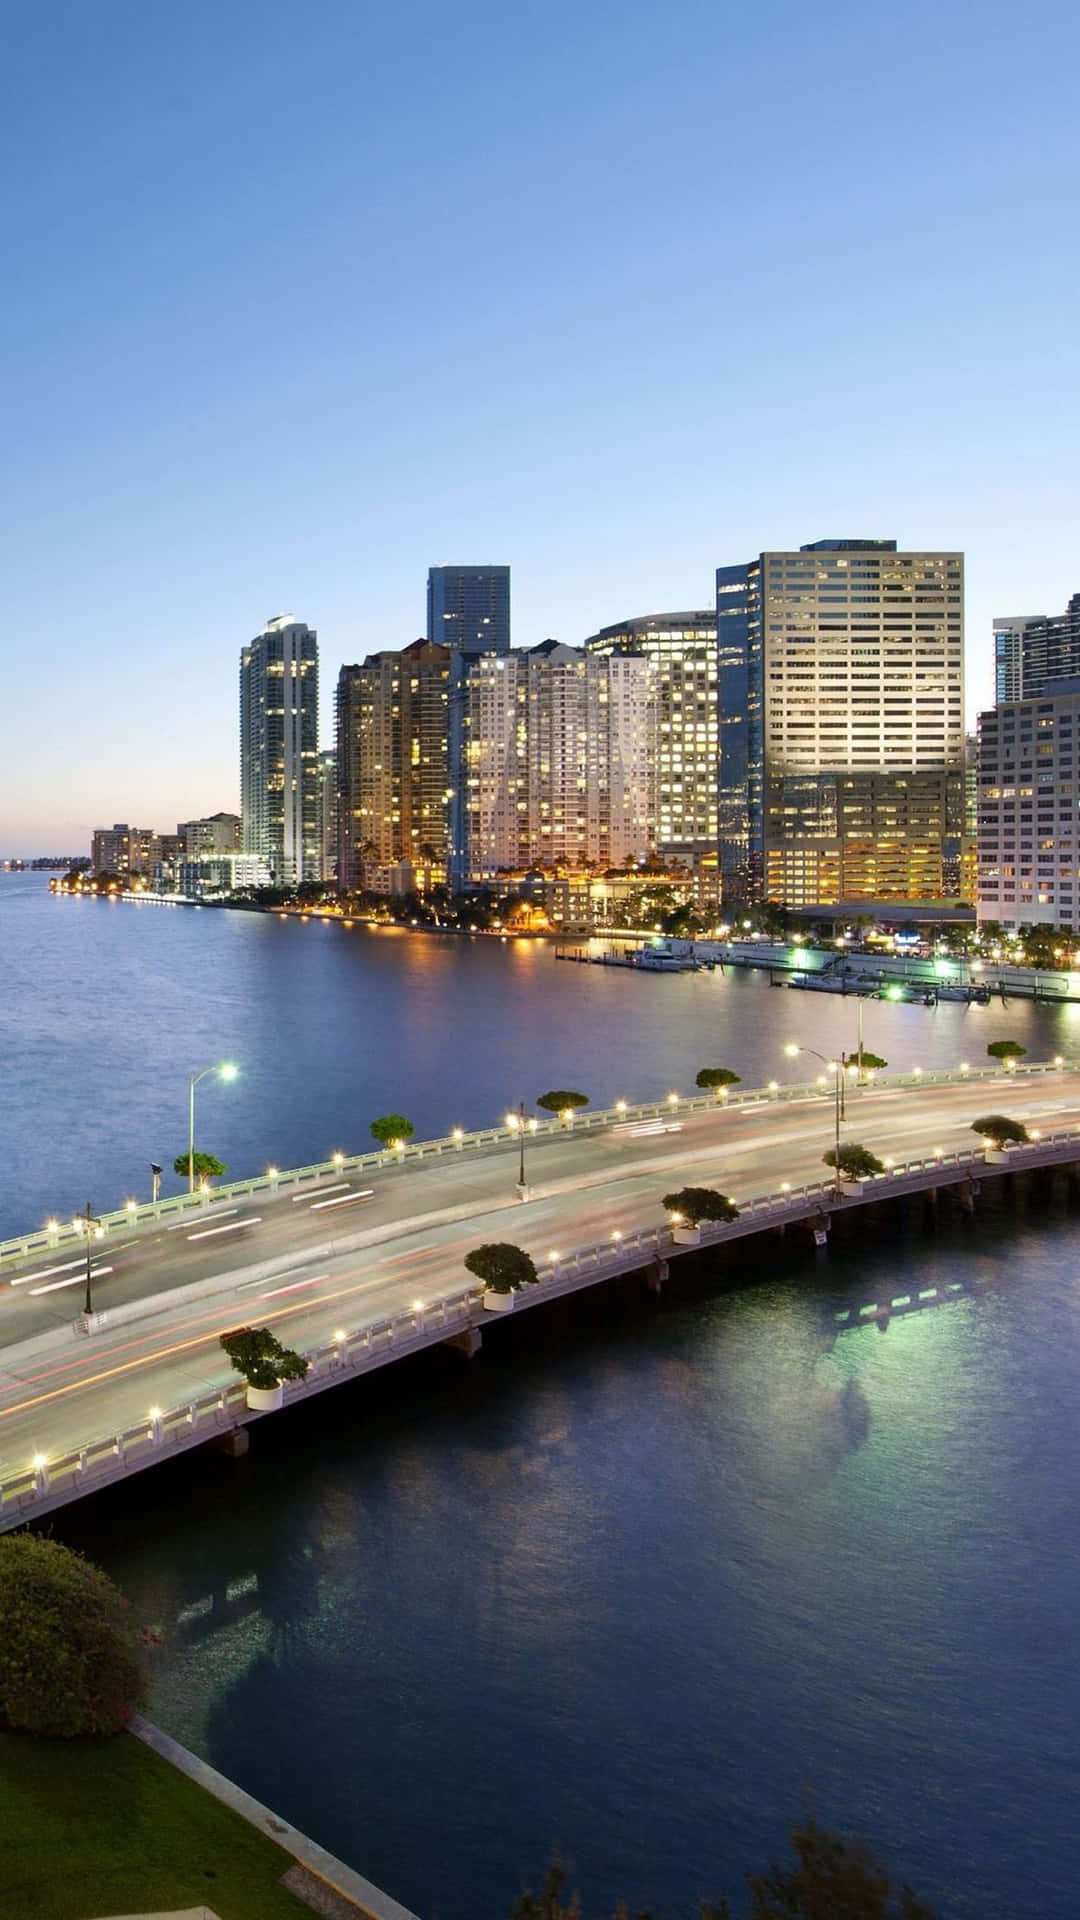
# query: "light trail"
298,1198
181,1225
75,1280
207,1233
318,1205
43,1273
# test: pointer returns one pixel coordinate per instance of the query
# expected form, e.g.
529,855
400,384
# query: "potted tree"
503,1268
717,1080
391,1130
265,1364
690,1206
1000,1132
853,1165
863,1061
1007,1051
563,1102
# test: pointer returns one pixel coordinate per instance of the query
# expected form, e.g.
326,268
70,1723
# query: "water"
638,1576
109,1007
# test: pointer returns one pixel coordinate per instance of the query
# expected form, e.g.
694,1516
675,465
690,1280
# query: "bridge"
359,1261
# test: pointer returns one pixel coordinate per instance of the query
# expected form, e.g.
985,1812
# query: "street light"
94,1230
834,1067
224,1071
518,1123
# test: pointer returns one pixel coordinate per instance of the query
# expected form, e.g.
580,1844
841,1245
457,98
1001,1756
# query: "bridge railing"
48,1481
57,1235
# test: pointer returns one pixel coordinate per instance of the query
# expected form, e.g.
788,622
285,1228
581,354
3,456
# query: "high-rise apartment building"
469,608
845,658
218,833
550,758
328,815
392,761
1029,809
279,750
1031,649
681,649
124,850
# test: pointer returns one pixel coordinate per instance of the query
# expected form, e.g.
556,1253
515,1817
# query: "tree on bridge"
561,1100
716,1078
69,1657
207,1165
866,1061
259,1356
1000,1130
390,1128
501,1266
692,1205
1006,1050
853,1162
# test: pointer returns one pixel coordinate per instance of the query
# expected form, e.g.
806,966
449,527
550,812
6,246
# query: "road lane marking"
306,1195
207,1233
294,1286
318,1205
181,1224
76,1280
44,1273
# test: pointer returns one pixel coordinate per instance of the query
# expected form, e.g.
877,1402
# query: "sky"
300,299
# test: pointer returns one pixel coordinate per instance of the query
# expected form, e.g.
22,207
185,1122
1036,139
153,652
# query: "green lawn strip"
108,1827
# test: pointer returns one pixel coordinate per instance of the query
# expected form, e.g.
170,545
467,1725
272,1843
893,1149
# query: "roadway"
400,1237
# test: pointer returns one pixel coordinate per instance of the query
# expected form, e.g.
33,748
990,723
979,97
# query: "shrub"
709,1077
207,1165
1000,1129
69,1661
257,1354
560,1101
502,1266
1006,1050
865,1060
855,1162
390,1127
695,1204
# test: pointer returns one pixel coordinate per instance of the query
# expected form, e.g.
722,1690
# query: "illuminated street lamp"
94,1231
519,1123
834,1067
225,1071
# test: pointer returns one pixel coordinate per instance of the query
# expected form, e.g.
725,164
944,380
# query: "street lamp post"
835,1067
92,1223
225,1071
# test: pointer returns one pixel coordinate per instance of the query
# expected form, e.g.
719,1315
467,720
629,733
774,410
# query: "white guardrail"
59,1233
48,1483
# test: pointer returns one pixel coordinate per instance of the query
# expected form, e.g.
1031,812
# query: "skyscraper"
1033,648
392,761
682,653
844,658
279,758
469,608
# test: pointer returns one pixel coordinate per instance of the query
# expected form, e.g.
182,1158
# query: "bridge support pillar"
469,1342
655,1274
968,1194
234,1444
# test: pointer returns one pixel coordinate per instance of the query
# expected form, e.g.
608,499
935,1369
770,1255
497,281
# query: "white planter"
265,1399
685,1236
498,1302
995,1156
851,1186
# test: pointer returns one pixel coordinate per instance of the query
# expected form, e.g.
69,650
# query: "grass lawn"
106,1827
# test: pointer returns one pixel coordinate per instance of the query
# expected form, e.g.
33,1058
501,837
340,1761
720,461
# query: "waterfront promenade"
357,1265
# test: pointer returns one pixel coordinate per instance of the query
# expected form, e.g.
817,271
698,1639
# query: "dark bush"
695,1204
502,1266
998,1127
69,1660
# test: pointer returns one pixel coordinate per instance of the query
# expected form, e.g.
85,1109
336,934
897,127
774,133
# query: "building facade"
469,608
279,750
681,649
392,763
1029,809
124,850
845,658
218,833
1034,648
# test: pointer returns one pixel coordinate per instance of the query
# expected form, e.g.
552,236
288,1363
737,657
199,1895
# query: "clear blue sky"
299,299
